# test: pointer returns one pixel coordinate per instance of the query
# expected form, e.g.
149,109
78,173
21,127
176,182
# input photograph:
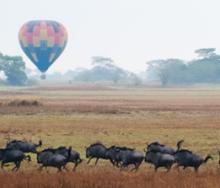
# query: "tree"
172,71
153,70
104,69
99,60
205,52
14,69
205,69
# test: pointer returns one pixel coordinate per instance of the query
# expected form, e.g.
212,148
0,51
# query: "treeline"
104,70
204,69
12,70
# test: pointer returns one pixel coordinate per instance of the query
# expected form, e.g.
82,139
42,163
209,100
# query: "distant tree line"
104,69
12,70
204,69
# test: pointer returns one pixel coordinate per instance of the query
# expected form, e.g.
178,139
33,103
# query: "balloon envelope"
43,42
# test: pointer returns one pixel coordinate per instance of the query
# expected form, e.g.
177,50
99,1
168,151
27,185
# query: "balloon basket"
43,76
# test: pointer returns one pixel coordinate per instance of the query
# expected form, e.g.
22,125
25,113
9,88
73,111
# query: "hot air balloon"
43,41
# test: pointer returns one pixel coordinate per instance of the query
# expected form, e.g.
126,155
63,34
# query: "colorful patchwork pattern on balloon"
43,42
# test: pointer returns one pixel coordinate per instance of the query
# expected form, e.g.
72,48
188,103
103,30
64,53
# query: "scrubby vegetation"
24,102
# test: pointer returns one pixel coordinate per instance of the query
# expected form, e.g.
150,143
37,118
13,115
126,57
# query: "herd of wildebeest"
156,154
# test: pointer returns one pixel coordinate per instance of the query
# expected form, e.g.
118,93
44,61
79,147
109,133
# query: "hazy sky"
129,31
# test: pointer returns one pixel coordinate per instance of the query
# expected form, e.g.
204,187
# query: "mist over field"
204,69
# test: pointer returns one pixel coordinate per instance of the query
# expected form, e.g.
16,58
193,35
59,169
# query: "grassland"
79,116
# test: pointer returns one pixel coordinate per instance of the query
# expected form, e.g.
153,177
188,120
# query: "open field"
79,116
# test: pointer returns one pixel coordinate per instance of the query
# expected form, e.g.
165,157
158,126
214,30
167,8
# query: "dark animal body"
113,154
97,151
13,156
123,157
51,158
73,158
186,158
157,154
24,146
129,157
157,147
160,159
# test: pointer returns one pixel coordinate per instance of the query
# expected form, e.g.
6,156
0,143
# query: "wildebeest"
74,155
111,154
157,147
127,156
43,156
49,158
24,146
160,159
187,158
13,156
97,150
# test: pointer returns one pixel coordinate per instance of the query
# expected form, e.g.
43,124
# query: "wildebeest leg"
13,169
74,168
113,163
136,167
196,168
169,167
119,164
2,165
59,169
155,168
123,165
18,164
96,161
89,160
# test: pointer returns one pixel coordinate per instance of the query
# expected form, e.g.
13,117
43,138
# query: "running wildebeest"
49,158
157,147
24,146
111,154
97,150
187,158
13,156
127,156
114,153
74,155
160,159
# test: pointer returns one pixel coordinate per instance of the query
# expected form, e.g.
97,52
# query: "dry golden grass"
131,117
104,178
